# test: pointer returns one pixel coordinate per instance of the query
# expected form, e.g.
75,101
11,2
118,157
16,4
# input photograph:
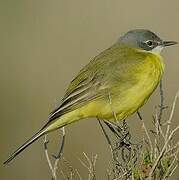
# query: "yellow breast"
149,75
130,99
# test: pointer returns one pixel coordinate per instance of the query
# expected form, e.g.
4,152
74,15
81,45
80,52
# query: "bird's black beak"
169,43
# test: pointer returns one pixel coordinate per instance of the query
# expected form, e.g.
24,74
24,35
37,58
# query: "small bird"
117,81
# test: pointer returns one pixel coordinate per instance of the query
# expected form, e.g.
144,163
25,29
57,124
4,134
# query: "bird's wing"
85,87
95,79
80,96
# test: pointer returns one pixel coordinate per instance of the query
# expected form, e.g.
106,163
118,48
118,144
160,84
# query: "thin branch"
162,153
124,174
171,149
54,167
158,131
171,165
64,177
70,168
47,156
161,106
174,169
91,166
78,174
146,132
171,115
57,158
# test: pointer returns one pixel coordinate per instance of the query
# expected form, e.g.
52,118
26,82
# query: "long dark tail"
26,144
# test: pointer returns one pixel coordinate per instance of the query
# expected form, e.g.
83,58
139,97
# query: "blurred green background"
43,44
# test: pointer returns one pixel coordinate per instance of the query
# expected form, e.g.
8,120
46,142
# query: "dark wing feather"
77,98
83,89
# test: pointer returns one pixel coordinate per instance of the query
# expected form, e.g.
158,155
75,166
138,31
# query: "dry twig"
54,167
90,166
168,136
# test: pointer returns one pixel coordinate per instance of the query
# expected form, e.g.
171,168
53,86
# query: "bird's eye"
149,43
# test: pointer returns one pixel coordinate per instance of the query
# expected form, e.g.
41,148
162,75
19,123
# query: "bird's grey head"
145,40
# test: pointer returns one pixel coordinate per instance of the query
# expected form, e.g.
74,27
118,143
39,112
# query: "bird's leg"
105,133
125,136
122,134
139,115
114,128
122,150
109,142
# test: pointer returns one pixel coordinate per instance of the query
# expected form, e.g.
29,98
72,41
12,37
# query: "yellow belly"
129,100
125,103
